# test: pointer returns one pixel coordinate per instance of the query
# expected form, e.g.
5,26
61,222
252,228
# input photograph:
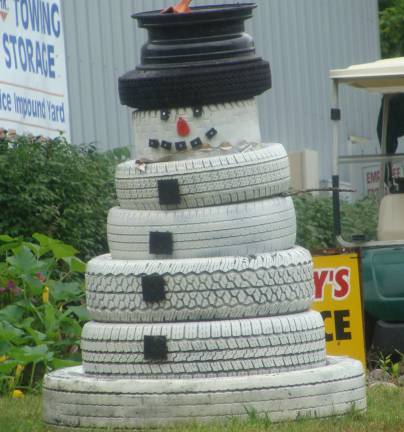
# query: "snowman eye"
198,111
165,115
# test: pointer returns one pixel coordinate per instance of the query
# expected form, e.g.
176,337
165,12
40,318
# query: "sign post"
338,299
33,83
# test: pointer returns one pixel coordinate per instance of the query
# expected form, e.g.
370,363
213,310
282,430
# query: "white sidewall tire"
206,182
231,230
206,348
201,289
74,399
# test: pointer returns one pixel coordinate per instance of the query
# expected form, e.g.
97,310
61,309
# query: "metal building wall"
303,39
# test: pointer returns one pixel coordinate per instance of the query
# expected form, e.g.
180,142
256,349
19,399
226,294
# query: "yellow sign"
338,299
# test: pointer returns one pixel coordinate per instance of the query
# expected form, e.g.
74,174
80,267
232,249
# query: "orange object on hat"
181,7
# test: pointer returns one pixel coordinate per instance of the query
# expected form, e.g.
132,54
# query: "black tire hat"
197,58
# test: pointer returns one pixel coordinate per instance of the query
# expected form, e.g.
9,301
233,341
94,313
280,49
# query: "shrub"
60,190
65,192
360,218
315,220
41,309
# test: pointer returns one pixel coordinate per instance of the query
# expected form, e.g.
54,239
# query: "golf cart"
382,259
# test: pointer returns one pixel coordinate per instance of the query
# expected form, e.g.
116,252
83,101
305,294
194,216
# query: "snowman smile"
182,145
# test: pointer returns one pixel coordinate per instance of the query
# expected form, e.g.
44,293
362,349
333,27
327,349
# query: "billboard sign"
338,298
33,83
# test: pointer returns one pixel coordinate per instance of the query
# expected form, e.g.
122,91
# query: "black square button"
153,143
169,192
181,145
155,348
197,142
211,133
153,288
166,145
161,243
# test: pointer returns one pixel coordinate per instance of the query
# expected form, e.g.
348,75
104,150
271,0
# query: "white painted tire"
206,348
201,289
232,230
206,182
73,399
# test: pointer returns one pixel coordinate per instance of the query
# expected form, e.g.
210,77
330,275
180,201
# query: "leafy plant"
41,309
360,217
315,220
389,364
58,189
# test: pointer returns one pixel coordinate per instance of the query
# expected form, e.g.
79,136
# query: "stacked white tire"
202,310
206,182
73,398
201,289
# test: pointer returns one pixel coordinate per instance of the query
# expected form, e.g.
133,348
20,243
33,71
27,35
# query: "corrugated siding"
303,39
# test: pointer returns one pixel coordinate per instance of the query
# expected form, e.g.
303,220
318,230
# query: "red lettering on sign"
337,279
342,283
320,279
373,177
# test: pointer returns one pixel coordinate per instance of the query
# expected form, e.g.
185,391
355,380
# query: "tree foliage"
392,27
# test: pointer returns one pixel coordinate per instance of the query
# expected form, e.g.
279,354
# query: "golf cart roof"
382,76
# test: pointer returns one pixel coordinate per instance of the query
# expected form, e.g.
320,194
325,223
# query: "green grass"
385,413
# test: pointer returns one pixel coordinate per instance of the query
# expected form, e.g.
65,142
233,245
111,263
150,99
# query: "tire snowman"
202,309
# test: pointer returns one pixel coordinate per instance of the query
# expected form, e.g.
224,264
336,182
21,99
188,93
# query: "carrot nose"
183,128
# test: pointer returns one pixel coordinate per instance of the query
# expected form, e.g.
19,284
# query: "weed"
391,363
